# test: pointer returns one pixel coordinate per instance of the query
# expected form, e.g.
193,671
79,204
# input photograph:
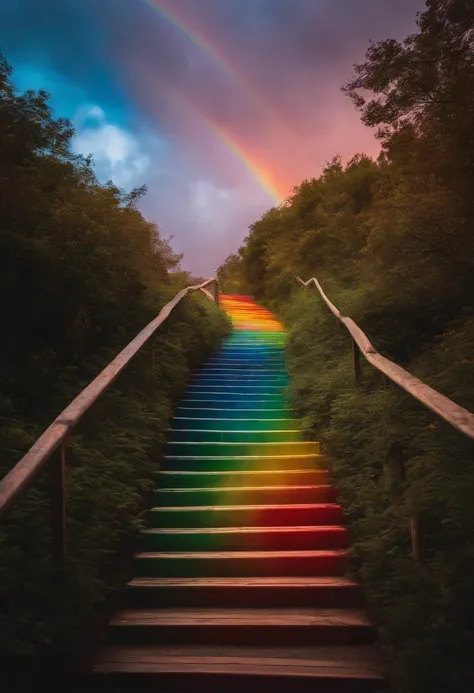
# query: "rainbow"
197,37
257,170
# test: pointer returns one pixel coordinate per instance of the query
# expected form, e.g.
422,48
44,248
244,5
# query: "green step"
245,539
240,463
230,449
204,411
231,380
260,424
246,515
260,477
234,436
275,362
241,389
238,495
234,400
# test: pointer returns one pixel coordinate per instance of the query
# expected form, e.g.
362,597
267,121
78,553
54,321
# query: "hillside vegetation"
81,273
392,242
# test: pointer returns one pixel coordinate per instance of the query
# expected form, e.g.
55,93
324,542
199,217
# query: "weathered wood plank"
267,582
459,417
15,482
279,618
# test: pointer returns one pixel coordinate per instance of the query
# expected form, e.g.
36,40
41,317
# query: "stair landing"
241,580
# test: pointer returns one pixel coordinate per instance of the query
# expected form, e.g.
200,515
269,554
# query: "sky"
221,107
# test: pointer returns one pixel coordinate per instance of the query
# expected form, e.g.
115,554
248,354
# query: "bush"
392,460
84,272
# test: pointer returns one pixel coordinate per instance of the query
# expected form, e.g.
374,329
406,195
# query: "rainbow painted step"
241,577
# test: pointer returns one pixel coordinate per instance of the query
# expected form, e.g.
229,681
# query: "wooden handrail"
19,478
460,418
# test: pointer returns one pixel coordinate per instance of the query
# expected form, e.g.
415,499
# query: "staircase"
241,579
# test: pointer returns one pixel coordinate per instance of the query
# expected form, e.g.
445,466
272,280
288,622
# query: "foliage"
230,277
392,243
84,272
392,460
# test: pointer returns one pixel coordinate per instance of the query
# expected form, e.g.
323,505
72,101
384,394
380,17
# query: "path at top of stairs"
241,580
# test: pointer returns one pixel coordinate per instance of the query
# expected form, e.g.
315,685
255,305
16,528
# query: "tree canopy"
392,242
81,273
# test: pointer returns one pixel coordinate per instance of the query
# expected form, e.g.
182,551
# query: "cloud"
117,155
154,106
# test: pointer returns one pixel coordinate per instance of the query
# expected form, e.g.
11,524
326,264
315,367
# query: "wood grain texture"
19,478
459,417
281,618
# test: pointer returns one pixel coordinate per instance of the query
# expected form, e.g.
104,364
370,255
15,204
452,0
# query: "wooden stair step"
260,424
228,377
234,400
210,435
336,669
199,479
243,403
257,495
241,563
249,592
238,388
223,414
240,449
246,515
271,363
245,538
241,462
243,377
303,626
235,394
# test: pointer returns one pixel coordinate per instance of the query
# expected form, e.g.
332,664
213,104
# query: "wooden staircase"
241,581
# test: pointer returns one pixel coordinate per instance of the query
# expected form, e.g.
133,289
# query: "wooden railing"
54,437
459,418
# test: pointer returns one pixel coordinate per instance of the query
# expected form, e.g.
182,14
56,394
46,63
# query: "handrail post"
415,538
356,362
216,292
57,490
18,479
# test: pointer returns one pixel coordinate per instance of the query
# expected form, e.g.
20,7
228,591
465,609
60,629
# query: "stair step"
242,384
281,477
258,495
251,354
248,592
187,423
207,626
246,515
245,364
202,411
241,463
228,396
248,347
241,563
234,436
277,404
248,372
217,449
236,387
304,538
219,376
210,669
